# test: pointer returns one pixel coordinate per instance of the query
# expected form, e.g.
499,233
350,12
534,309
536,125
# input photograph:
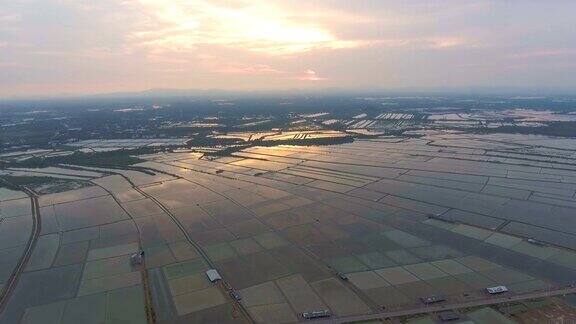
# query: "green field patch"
262,294
396,275
488,315
181,269
387,296
270,240
346,264
476,263
332,231
273,313
472,232
475,280
43,287
43,255
404,239
538,302
83,234
435,252
375,260
540,252
71,253
106,267
245,246
565,258
503,240
247,228
86,310
188,284
449,285
415,290
112,251
379,241
253,269
528,286
425,271
439,224
142,208
126,306
327,250
297,261
342,301
118,229
198,300
108,283
428,319
183,251
305,234
451,267
218,252
505,275
158,256
367,280
268,208
402,257
221,314
299,294
49,313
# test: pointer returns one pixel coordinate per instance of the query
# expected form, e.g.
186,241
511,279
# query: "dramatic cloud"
84,46
251,25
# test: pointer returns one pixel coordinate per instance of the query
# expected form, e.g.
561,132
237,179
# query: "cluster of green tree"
42,184
296,142
562,129
13,182
114,158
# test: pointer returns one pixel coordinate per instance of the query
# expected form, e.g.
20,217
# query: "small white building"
213,275
497,290
137,258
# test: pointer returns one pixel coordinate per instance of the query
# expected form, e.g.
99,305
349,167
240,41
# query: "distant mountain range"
220,93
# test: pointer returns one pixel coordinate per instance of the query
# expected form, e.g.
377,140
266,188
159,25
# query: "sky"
54,47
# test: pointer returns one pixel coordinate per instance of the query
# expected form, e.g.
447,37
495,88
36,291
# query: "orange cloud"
255,25
310,75
446,42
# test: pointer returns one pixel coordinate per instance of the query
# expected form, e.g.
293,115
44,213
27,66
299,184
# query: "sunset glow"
82,46
256,26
